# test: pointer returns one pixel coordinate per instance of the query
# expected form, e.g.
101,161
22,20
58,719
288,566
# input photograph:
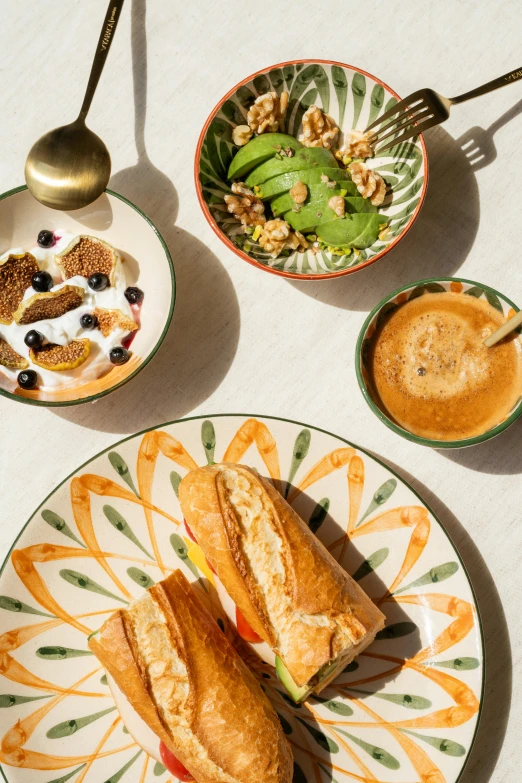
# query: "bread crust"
314,581
228,713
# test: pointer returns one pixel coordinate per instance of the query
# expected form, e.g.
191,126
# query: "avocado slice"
359,204
298,694
282,184
309,218
355,230
259,149
322,193
304,158
311,215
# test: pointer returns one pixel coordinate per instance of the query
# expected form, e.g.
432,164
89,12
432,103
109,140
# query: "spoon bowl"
68,168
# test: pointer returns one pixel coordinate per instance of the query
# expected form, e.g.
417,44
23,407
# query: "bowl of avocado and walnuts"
288,181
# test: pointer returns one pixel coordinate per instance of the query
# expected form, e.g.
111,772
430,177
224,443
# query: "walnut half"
319,130
369,183
245,205
241,135
356,145
299,192
277,236
337,204
267,112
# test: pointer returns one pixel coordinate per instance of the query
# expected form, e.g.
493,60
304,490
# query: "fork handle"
509,78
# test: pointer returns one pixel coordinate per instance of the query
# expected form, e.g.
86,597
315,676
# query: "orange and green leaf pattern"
406,710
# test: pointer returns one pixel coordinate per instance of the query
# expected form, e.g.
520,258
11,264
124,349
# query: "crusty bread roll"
185,680
289,588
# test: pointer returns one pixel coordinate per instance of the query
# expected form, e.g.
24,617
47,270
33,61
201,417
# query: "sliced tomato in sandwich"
245,630
211,566
173,765
190,533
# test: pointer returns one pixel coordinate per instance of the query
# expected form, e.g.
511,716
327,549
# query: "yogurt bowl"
142,261
500,305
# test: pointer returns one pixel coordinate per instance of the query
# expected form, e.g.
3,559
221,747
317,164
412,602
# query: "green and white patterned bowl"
354,99
401,295
407,710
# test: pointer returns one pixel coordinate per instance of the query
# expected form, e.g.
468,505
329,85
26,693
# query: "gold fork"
422,110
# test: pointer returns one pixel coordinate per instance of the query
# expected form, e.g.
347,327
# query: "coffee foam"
432,373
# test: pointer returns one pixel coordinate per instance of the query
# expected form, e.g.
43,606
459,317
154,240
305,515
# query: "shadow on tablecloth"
501,456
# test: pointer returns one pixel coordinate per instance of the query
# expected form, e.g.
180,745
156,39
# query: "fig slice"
9,357
16,273
86,255
109,320
51,304
61,357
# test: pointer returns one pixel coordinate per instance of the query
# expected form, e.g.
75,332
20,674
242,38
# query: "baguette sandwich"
289,590
182,680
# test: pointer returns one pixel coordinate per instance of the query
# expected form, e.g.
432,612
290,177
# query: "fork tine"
388,114
404,104
400,122
408,134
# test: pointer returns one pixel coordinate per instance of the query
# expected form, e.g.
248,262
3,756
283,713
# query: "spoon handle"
102,50
504,330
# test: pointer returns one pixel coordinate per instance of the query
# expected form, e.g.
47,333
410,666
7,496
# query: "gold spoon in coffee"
504,330
69,167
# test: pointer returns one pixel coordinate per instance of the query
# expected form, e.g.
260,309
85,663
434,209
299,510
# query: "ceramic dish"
406,710
354,99
147,263
432,285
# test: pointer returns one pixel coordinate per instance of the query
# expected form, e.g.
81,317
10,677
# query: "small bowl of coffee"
425,372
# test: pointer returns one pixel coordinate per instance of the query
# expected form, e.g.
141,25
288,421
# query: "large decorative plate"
406,711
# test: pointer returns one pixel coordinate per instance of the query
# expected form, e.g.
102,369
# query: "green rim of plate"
331,434
93,397
437,444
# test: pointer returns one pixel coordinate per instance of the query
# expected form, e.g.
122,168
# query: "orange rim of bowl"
281,273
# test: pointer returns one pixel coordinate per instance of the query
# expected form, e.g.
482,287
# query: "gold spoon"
69,167
504,330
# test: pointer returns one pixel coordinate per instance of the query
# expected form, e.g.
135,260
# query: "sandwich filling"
263,550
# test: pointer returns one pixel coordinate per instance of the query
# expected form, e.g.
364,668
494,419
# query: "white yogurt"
67,327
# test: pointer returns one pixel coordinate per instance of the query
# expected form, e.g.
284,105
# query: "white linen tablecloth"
245,341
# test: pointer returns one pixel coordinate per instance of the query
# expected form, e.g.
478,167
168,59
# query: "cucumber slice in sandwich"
298,694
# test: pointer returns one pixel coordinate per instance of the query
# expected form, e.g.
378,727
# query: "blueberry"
98,281
46,238
42,281
88,321
133,294
119,355
27,379
33,339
